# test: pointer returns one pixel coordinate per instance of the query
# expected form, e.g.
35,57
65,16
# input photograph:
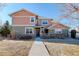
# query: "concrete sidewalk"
38,49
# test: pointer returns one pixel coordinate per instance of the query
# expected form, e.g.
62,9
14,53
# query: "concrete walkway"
38,48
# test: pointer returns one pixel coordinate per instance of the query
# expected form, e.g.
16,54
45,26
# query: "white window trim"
58,30
28,33
30,19
44,21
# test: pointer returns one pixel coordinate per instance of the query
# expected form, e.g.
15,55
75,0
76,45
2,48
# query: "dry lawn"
15,48
61,49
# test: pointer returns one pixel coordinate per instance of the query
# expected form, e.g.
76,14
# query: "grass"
15,47
61,49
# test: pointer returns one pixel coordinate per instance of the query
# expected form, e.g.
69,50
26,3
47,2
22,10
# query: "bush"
25,37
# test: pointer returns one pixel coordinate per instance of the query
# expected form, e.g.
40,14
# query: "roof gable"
57,26
23,12
61,26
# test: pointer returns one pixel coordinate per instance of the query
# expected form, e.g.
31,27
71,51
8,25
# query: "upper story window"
44,22
32,19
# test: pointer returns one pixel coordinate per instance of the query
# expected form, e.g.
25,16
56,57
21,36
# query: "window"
52,31
28,31
44,22
32,19
58,31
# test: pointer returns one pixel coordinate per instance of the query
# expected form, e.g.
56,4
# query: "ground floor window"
58,31
29,30
51,31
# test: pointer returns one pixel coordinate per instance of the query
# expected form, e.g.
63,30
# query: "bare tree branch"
2,5
70,11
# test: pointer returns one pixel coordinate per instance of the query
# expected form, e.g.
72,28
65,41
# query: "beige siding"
52,34
19,29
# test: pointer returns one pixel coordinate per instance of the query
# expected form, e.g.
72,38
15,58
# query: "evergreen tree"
5,30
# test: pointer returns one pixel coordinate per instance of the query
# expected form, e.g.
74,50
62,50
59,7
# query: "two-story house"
25,22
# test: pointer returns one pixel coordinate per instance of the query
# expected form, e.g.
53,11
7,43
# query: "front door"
37,32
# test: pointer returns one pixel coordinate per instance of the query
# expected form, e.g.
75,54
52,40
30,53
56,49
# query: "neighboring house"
58,30
28,23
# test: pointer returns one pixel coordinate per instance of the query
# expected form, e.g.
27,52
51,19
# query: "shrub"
25,37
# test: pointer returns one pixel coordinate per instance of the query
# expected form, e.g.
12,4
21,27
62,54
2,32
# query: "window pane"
30,30
27,30
44,22
32,19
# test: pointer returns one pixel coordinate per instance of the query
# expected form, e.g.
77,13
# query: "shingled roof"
57,26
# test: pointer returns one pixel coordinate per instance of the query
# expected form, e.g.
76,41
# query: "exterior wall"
21,31
53,34
22,17
63,31
22,20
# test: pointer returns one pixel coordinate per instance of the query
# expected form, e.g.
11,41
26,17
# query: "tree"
5,30
70,11
7,23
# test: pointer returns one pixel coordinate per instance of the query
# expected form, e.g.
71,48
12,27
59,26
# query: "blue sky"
47,10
